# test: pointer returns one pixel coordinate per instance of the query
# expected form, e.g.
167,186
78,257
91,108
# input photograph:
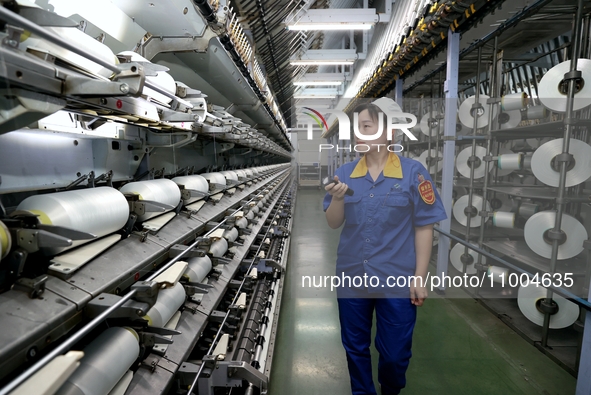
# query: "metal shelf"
537,192
478,184
491,233
461,140
530,192
550,129
309,174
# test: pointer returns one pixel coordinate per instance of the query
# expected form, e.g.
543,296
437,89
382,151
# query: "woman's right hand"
337,191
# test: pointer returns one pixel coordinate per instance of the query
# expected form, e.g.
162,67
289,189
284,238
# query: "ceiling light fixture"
314,96
318,83
336,26
320,62
334,19
325,57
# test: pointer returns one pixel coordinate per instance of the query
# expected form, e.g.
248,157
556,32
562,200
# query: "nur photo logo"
391,120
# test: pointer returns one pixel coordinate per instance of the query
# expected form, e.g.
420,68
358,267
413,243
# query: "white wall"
308,151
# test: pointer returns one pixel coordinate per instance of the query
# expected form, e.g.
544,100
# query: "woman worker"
388,231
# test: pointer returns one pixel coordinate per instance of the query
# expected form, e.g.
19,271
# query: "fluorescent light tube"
332,26
317,83
308,62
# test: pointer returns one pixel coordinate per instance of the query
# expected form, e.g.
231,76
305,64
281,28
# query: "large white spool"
463,166
80,39
462,203
198,268
455,256
99,211
538,224
465,112
195,183
529,298
231,234
240,173
435,167
218,248
553,93
542,168
106,360
162,79
215,178
510,119
458,192
162,191
255,209
168,302
430,123
230,175
416,130
241,223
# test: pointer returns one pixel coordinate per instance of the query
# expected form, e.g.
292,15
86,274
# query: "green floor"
458,347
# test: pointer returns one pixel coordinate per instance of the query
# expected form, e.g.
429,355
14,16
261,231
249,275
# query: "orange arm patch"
426,192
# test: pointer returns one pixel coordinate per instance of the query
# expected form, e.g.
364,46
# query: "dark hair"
374,111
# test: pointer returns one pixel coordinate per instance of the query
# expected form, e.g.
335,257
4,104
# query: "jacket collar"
392,169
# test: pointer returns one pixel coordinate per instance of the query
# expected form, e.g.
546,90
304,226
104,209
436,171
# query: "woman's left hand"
418,295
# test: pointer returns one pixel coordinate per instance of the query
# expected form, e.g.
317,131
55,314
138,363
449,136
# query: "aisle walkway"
459,347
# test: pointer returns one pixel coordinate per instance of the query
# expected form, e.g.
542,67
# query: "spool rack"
490,69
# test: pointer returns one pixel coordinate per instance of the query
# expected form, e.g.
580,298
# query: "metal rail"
560,291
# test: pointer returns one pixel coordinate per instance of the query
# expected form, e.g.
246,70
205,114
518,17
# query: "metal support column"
430,158
449,147
398,91
495,95
470,210
440,109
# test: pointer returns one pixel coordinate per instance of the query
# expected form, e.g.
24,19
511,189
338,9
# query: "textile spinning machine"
143,228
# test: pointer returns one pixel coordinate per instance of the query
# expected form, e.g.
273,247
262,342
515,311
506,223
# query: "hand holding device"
328,181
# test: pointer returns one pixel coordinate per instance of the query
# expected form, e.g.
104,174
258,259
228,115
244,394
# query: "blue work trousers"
395,319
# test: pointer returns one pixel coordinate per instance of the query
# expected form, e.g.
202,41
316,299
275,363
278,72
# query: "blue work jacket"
378,236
